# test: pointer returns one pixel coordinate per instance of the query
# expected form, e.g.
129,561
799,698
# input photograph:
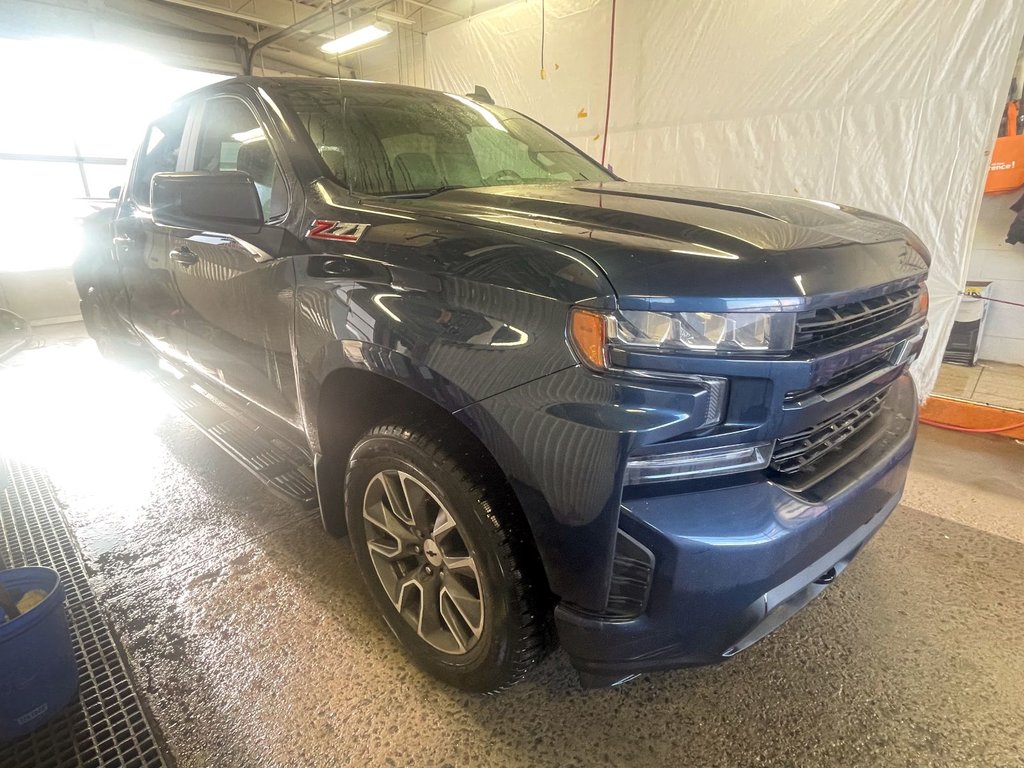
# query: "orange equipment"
1006,171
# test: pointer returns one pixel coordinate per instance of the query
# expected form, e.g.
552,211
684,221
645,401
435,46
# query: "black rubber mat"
107,725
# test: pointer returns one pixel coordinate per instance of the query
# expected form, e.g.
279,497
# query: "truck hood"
685,247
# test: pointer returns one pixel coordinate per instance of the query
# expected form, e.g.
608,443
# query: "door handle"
184,256
122,246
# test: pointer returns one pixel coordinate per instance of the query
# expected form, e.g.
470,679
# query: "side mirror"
114,193
224,202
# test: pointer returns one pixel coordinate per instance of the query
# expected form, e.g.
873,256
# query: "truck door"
238,297
141,249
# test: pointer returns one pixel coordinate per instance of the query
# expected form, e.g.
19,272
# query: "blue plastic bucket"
38,675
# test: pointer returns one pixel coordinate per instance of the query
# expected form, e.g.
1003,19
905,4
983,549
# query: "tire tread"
530,603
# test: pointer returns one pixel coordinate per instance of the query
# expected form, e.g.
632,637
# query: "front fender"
349,354
451,339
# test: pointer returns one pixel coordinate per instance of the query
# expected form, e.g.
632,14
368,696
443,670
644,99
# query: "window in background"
59,156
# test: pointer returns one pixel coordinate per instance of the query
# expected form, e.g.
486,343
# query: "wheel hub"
432,552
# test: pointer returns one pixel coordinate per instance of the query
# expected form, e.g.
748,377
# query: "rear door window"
232,139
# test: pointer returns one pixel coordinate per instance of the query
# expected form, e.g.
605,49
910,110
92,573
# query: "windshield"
381,141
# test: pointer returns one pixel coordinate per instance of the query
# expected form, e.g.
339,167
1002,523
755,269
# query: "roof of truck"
279,83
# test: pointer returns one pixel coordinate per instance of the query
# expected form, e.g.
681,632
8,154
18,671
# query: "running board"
274,463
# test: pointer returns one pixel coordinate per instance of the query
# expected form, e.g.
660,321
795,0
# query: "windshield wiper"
426,192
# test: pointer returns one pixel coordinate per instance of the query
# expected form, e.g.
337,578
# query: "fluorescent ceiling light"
357,39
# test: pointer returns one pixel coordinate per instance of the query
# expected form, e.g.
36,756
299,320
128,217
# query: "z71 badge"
321,229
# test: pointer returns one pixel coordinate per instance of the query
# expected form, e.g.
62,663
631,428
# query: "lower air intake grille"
800,452
632,571
631,578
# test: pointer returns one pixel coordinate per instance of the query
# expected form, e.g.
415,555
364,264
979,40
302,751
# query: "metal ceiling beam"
226,12
477,13
291,58
429,7
173,35
328,10
146,11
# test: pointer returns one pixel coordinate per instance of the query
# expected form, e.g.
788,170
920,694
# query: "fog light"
704,463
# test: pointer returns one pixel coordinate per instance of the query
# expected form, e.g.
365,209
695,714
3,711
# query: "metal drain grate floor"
107,725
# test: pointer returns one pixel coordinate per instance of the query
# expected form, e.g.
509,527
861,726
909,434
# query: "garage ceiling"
214,34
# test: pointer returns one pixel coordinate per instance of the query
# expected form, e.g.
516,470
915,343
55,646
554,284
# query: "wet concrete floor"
255,646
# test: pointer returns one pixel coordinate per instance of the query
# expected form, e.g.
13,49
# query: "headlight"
595,333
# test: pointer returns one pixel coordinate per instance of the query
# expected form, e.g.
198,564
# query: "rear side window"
159,153
231,139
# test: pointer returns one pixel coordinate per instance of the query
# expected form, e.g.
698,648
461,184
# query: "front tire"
446,557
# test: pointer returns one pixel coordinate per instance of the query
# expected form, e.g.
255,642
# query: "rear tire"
447,558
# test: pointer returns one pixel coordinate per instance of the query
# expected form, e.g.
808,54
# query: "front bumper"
733,562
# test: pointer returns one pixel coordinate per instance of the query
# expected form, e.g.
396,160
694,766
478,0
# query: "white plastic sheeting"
887,105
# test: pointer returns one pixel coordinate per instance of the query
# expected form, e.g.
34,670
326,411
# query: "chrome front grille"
804,451
833,327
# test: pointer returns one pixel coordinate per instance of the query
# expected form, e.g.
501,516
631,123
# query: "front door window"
231,139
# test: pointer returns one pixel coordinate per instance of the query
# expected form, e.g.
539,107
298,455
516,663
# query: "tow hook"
827,577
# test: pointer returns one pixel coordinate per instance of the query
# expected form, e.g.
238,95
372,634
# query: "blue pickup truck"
648,423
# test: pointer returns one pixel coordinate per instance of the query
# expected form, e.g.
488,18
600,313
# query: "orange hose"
968,429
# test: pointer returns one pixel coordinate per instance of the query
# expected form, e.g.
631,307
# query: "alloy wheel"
423,561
